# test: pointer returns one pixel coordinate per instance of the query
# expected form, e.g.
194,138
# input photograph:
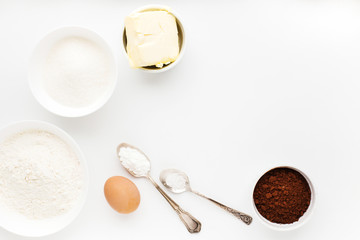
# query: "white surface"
19,224
36,72
261,84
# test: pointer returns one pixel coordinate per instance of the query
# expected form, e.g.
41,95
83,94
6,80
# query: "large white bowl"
19,224
35,71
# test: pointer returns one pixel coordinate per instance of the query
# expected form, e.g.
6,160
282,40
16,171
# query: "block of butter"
152,38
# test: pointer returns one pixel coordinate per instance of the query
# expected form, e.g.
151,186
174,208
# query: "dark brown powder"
282,195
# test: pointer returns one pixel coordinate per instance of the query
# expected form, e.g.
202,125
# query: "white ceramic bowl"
181,33
303,219
19,224
36,68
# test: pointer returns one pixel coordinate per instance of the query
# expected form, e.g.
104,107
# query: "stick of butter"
152,38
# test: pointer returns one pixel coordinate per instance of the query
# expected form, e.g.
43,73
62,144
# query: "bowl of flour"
72,72
43,179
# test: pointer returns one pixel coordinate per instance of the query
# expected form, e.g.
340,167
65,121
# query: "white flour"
134,161
76,72
40,175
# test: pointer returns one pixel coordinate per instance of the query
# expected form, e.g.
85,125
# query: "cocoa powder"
282,195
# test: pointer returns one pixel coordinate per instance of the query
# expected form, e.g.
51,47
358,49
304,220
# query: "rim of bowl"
36,57
66,219
181,32
303,219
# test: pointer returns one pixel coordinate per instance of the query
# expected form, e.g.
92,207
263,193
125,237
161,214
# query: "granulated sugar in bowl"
43,178
284,198
72,72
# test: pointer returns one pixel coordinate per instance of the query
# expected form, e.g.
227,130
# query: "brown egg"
122,194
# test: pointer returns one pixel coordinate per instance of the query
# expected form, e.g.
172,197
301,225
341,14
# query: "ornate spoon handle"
192,224
242,216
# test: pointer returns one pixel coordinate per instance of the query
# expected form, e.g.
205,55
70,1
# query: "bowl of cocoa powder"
284,198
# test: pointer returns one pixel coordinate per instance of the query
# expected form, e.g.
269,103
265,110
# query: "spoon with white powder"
138,165
178,182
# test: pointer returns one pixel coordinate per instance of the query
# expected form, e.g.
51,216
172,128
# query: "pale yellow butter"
152,38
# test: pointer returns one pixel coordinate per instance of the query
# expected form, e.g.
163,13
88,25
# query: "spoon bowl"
133,169
174,180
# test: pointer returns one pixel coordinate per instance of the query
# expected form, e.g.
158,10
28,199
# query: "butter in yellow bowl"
152,38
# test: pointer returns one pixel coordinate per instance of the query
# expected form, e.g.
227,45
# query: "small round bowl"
35,75
19,224
181,34
302,220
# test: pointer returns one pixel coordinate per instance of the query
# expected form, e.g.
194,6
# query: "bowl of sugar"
72,72
43,179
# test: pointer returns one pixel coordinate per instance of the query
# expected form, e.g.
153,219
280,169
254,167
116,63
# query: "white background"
262,83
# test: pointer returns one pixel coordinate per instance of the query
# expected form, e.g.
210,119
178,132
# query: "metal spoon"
191,223
180,183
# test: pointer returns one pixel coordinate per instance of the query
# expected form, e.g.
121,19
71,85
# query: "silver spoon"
143,170
178,182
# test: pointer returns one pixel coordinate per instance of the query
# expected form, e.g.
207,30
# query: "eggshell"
122,194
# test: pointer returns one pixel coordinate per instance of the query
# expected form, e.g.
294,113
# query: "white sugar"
76,72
